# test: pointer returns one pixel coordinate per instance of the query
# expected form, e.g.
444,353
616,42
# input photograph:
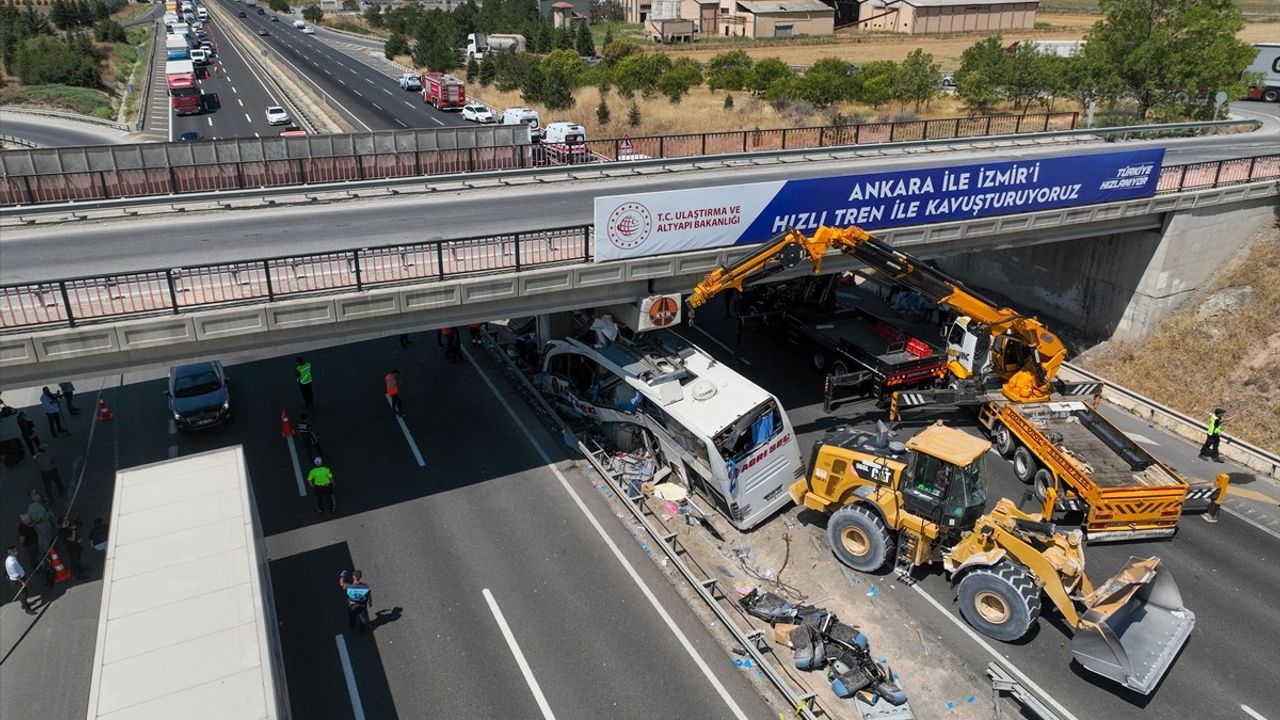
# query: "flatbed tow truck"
1003,365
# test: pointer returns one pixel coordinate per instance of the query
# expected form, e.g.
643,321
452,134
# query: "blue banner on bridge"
680,220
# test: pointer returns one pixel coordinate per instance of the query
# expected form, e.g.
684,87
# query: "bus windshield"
749,432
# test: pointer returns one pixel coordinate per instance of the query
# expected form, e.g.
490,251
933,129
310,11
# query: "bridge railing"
74,301
53,175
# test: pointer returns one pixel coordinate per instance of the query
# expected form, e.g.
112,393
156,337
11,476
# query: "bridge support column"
553,326
1117,286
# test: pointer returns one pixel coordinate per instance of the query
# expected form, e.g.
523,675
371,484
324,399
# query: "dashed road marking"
401,123
406,102
247,118
525,670
352,691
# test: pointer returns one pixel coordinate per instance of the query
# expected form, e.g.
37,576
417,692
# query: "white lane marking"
515,650
256,135
344,82
247,118
726,348
326,72
1252,713
234,90
1253,522
407,435
384,90
173,427
376,106
357,92
434,120
401,123
406,102
242,105
297,469
1062,711
356,706
613,547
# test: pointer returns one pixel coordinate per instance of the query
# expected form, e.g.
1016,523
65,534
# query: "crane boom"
1025,353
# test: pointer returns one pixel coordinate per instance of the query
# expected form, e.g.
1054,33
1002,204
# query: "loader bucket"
1133,626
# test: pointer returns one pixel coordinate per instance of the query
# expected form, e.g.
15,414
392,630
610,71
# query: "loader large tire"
1024,464
1005,442
1001,601
859,538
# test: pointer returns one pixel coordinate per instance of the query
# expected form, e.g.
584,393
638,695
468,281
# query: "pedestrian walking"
359,599
453,353
69,394
29,539
69,533
404,340
392,382
18,577
46,522
29,434
473,331
1213,436
321,478
303,370
53,412
49,474
440,336
307,432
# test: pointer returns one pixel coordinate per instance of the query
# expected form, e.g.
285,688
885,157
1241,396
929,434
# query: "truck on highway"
845,336
443,92
1266,63
1004,365
199,625
176,47
478,44
184,93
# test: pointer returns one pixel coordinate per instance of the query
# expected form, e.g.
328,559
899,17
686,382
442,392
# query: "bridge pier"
1122,285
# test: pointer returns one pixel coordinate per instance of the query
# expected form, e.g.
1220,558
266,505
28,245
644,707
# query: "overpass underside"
1108,270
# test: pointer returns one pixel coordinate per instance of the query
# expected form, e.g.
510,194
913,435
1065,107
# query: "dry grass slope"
1230,358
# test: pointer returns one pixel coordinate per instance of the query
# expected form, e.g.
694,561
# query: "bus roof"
694,406
186,629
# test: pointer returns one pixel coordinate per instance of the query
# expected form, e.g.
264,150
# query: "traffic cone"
60,571
104,412
286,428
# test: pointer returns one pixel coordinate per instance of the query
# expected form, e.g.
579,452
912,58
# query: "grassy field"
1242,347
60,97
1250,8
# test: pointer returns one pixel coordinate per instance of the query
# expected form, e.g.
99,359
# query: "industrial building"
922,17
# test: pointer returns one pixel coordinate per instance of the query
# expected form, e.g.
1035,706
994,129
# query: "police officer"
321,478
1213,435
359,599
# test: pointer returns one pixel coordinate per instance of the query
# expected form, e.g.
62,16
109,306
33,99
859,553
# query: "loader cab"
944,480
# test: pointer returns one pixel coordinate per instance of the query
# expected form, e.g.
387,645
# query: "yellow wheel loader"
923,502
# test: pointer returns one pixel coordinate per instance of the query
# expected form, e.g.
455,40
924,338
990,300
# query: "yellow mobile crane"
1005,365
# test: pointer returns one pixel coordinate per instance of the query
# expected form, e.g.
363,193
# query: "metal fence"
34,177
87,299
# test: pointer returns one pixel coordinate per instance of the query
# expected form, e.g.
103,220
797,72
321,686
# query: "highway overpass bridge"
1128,264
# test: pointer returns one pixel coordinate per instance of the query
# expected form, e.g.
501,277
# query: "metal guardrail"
47,178
67,116
1247,454
14,140
75,301
144,94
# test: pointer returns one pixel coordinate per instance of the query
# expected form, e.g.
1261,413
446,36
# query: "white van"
517,115
199,57
726,437
202,14
298,24
567,133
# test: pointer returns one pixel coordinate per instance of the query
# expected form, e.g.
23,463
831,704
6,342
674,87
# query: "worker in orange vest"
392,381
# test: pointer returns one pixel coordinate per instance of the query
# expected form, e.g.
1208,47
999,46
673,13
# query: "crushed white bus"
729,439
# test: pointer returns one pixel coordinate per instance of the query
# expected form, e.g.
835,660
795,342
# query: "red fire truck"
443,92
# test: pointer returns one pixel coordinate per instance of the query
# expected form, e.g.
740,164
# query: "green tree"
675,83
641,72
564,39
487,69
283,5
919,79
100,11
1028,76
473,70
542,39
608,35
1089,78
557,89
350,5
1169,54
602,112
616,50
109,31
728,101
44,60
532,82
729,71
567,62
372,14
583,43
433,42
827,81
312,14
873,83
981,77
395,45
33,22
766,73
607,11
633,115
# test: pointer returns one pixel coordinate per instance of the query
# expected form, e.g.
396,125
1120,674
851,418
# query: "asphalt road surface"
99,246
56,132
1227,572
483,522
368,97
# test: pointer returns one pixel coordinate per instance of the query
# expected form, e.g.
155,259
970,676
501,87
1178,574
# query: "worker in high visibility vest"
1213,435
392,382
302,369
321,478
